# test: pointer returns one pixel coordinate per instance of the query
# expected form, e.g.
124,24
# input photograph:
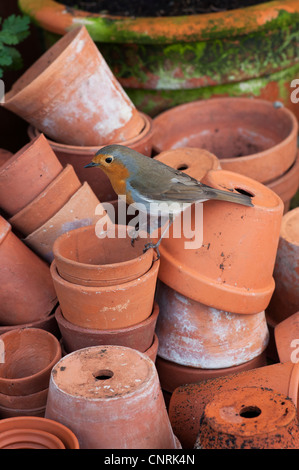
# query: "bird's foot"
155,246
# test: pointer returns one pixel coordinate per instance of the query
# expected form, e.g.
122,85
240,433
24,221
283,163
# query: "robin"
149,182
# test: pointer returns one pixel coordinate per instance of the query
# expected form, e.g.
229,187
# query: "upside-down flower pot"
196,335
23,432
249,418
285,299
232,269
27,291
139,336
71,95
286,334
166,60
26,174
29,355
173,375
251,137
110,397
79,211
116,306
191,160
83,258
47,203
188,401
78,156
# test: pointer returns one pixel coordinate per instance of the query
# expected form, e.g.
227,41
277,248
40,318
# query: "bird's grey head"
109,154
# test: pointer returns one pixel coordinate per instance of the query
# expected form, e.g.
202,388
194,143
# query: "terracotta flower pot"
81,257
79,211
79,156
25,402
26,174
188,401
286,335
116,306
138,336
110,397
29,355
47,203
48,323
193,161
71,95
16,412
249,418
173,375
285,299
232,270
196,335
152,351
287,185
29,439
251,137
43,425
27,291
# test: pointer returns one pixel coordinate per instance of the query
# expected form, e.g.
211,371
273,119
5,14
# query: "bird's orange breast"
118,175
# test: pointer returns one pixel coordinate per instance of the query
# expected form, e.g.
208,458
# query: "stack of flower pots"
255,138
110,397
28,356
41,198
212,297
27,294
105,287
71,95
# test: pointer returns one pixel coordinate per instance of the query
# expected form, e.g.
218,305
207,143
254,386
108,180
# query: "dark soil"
145,8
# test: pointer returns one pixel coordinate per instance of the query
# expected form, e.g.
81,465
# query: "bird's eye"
108,159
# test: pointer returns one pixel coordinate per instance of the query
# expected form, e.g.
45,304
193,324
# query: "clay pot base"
114,399
249,418
55,435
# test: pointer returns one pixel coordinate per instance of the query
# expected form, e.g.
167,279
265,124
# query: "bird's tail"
229,196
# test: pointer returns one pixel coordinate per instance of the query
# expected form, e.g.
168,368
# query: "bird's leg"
156,245
134,237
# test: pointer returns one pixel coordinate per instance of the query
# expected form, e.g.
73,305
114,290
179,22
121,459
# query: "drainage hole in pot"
243,191
104,374
183,167
250,412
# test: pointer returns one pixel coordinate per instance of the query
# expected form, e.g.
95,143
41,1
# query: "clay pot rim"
106,289
142,257
154,346
39,423
29,378
65,148
152,318
248,19
284,232
244,158
30,324
31,436
41,195
289,186
5,229
14,159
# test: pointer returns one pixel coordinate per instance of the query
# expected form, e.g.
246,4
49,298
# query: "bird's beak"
90,165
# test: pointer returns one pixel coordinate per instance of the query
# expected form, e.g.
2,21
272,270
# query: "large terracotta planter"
110,397
26,174
54,430
251,137
173,375
27,290
287,185
165,61
79,211
286,334
191,160
81,257
47,203
196,335
188,401
285,300
79,156
249,418
71,95
232,270
139,336
117,306
29,355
